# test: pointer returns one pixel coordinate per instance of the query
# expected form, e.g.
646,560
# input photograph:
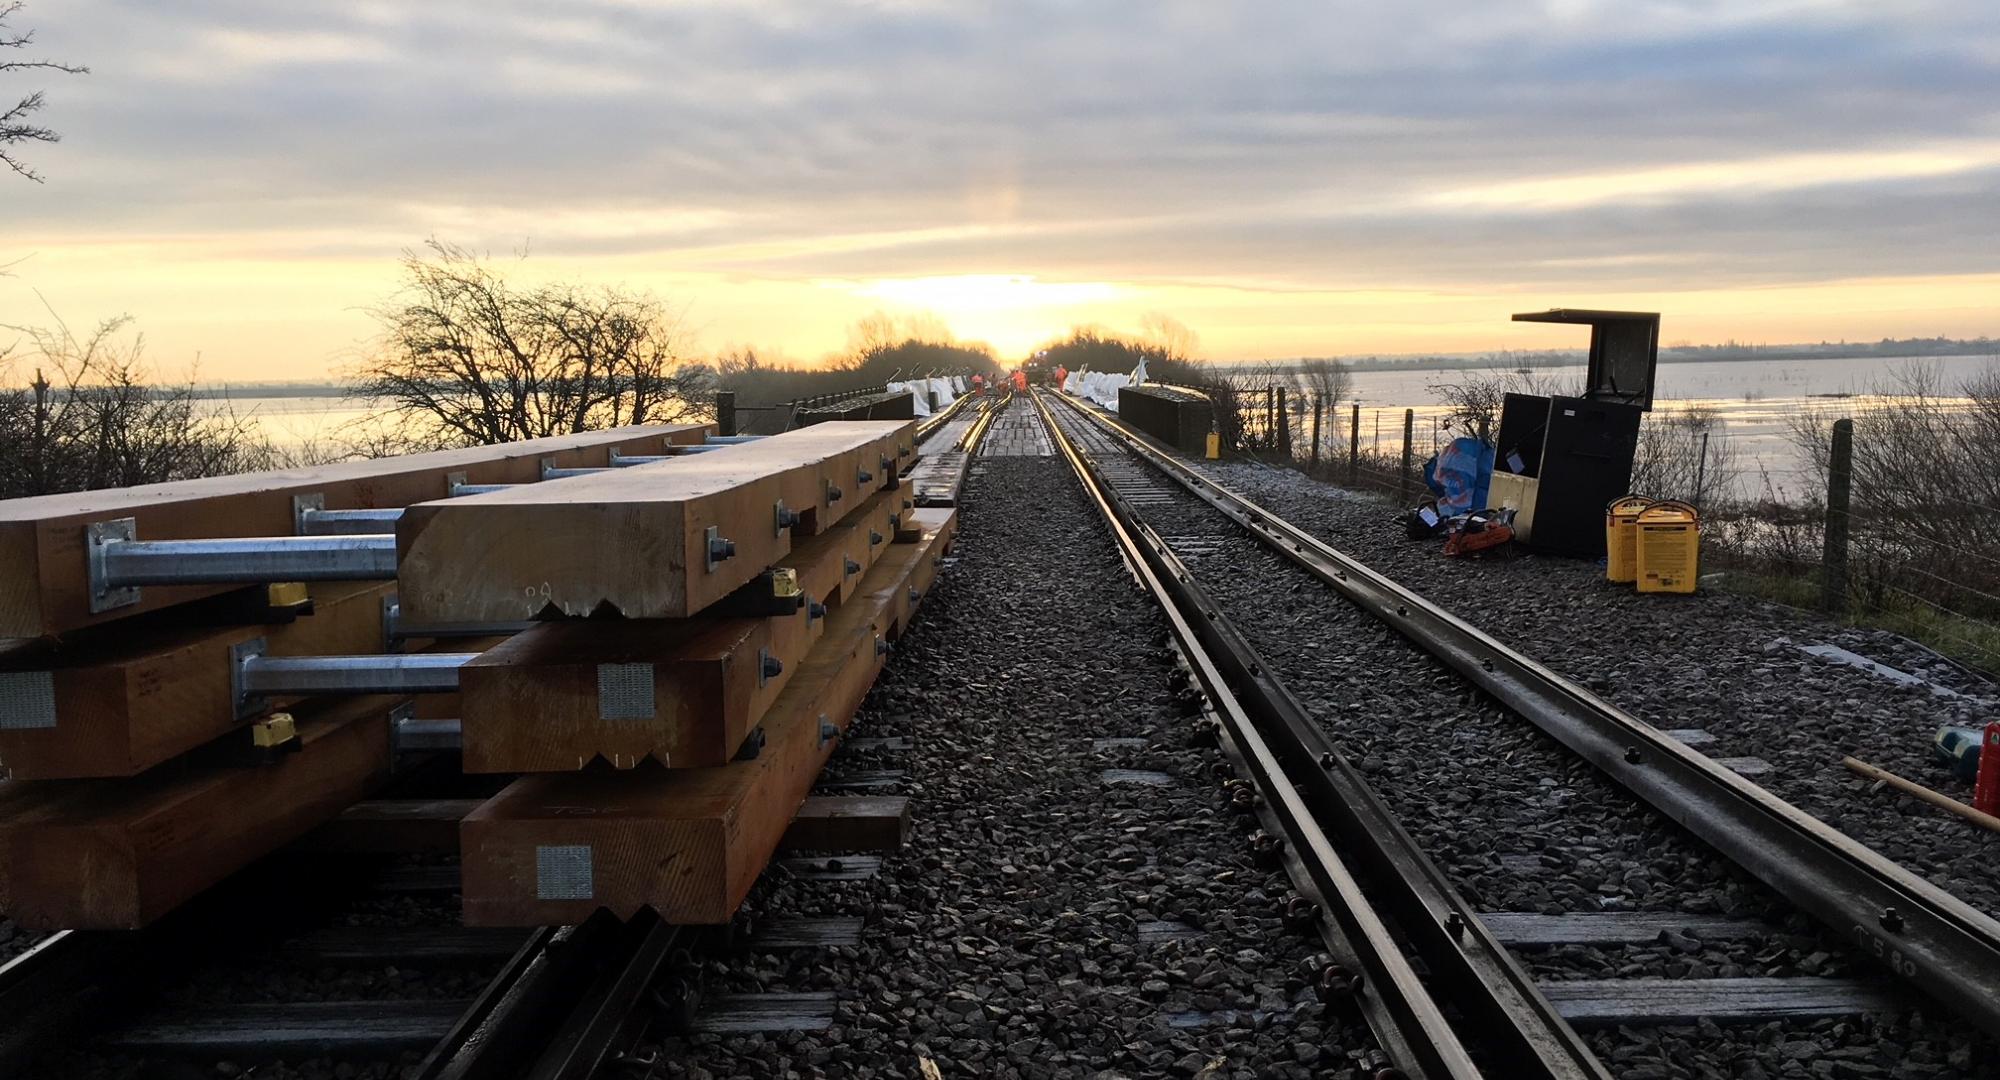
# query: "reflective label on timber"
562,872
27,700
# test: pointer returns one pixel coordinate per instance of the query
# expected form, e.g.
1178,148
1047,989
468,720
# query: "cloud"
1425,145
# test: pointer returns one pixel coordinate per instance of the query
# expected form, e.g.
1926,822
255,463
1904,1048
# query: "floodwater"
1756,399
1757,402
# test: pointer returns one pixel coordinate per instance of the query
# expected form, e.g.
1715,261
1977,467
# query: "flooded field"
1757,399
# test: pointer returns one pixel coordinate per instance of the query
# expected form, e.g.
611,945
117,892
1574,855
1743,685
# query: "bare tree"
92,418
1472,401
1327,382
15,126
471,359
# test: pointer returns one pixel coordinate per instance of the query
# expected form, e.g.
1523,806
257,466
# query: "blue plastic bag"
1461,475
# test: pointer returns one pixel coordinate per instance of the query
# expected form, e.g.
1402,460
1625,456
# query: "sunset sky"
1287,179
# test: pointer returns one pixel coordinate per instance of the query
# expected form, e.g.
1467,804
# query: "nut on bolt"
1268,850
882,647
787,517
721,548
1334,984
773,667
1300,913
1243,800
832,493
815,610
863,476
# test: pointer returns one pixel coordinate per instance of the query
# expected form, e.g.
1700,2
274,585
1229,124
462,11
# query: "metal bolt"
1334,984
915,595
863,476
827,731
832,493
1402,609
1891,920
815,610
1633,756
1455,923
853,567
1326,760
882,647
787,518
773,667
874,538
721,548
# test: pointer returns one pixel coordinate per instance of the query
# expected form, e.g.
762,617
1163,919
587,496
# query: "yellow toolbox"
1668,547
1621,555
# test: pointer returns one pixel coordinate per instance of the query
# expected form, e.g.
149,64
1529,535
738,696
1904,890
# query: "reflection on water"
295,422
1756,400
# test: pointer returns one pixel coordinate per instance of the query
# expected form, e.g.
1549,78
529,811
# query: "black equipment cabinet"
1578,451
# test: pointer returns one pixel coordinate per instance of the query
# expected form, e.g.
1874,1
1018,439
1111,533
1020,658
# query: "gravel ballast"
1721,662
1520,825
1017,934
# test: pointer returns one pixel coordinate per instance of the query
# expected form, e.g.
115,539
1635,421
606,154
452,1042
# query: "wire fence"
1915,546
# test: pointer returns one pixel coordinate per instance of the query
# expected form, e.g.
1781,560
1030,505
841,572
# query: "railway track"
1252,591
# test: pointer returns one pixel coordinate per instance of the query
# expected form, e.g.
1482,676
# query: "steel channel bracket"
302,506
392,612
406,711
240,654
97,536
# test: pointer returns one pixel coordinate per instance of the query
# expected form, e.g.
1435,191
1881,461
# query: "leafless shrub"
1473,398
1924,517
468,358
1685,454
93,417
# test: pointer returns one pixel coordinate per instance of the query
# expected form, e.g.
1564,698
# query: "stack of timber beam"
670,737
130,782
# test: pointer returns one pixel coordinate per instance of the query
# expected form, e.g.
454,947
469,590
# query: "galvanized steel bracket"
97,536
241,654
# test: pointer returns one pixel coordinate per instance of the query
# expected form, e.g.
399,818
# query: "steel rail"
1922,934
969,442
1409,1024
930,424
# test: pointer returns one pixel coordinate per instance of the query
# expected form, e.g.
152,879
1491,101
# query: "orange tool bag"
1478,533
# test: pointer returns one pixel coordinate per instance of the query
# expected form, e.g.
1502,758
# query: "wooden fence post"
1839,478
1270,415
725,412
1403,480
1319,413
1284,427
1354,447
